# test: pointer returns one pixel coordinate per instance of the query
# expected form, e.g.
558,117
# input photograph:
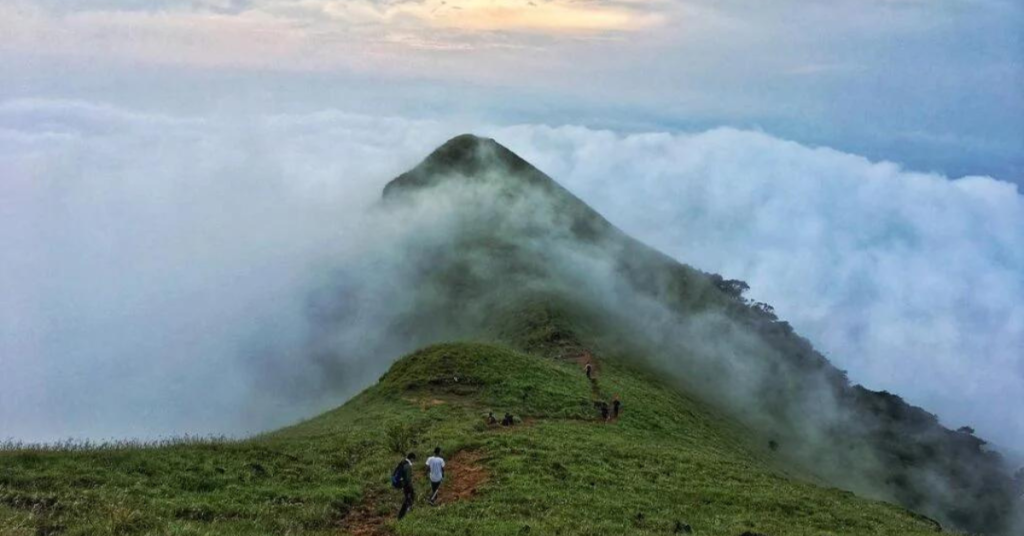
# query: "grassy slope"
563,472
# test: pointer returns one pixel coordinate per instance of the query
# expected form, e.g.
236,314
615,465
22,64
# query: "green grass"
668,460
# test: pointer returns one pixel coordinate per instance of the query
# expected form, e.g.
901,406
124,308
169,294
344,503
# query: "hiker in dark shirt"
404,473
604,410
508,420
616,404
590,370
491,421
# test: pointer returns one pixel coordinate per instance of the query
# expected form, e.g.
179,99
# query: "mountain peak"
464,142
468,157
475,160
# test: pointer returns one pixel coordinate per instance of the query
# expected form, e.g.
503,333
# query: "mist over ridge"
727,268
518,233
97,165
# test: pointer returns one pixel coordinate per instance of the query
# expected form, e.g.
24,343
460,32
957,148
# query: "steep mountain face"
515,243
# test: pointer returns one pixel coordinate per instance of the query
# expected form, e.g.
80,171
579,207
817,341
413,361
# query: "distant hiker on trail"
401,477
604,410
509,420
491,421
590,370
616,404
436,465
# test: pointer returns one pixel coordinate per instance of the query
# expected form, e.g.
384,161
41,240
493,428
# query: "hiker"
508,420
436,465
401,477
604,410
616,404
491,421
590,369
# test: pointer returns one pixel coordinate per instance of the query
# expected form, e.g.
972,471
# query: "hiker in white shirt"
436,465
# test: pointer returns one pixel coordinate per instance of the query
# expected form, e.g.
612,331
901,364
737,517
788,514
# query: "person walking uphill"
401,477
436,465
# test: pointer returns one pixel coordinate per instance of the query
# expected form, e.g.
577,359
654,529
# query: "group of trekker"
611,413
607,413
507,420
401,478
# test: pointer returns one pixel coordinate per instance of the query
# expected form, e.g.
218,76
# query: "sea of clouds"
156,271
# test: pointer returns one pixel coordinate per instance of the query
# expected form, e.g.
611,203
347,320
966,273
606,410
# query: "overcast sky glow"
933,84
116,114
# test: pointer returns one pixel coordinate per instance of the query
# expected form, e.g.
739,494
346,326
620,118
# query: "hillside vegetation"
667,464
732,422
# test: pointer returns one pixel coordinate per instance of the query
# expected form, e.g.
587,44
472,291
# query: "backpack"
398,475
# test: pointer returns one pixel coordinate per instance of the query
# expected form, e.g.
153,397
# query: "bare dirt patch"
464,475
425,403
584,357
367,519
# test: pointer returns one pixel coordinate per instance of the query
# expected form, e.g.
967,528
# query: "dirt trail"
585,357
464,475
597,396
367,519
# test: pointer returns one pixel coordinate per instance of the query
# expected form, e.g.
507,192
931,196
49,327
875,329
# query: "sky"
859,163
932,84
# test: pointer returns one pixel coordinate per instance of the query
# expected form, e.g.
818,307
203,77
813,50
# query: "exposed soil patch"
425,403
464,475
584,357
367,519
597,395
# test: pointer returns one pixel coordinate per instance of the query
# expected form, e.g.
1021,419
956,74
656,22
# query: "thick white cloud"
149,263
913,282
146,258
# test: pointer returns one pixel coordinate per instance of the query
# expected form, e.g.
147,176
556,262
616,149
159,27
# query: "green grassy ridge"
668,459
515,229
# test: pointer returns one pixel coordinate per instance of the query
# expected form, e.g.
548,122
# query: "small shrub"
400,437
